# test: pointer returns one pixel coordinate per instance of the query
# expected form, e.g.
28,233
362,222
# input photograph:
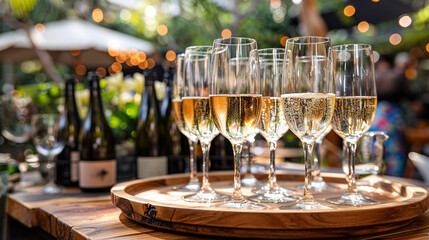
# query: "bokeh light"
97,15
101,71
349,11
80,70
40,28
112,51
226,33
170,56
283,40
162,30
150,63
275,3
405,21
427,47
411,73
416,52
363,26
143,65
395,39
75,52
375,0
116,67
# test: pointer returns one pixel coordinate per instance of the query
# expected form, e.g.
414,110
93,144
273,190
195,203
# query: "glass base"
305,205
207,196
266,188
250,181
190,187
352,199
319,186
241,203
51,188
273,197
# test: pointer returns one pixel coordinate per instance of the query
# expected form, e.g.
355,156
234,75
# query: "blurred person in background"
392,88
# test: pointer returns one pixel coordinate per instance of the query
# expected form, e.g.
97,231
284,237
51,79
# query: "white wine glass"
355,106
308,100
197,115
49,142
272,124
178,90
236,102
16,112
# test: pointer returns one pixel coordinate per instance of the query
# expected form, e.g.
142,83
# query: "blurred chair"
421,162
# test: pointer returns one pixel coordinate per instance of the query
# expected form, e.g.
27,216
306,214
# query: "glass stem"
272,171
316,167
237,195
192,161
249,158
51,177
205,148
350,147
308,151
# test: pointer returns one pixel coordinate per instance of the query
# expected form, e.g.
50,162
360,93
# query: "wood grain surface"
76,215
153,203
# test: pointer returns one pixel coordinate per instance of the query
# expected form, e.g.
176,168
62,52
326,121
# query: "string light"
395,39
97,15
226,33
162,30
101,71
170,55
283,40
363,26
405,21
40,28
80,69
349,11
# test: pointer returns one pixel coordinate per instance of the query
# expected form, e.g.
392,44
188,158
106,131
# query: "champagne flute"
197,116
236,101
308,100
249,180
49,142
272,124
355,106
317,183
178,90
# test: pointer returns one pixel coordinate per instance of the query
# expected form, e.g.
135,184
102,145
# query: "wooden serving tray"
152,202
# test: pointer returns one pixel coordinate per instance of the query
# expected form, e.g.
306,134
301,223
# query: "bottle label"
151,166
97,174
74,168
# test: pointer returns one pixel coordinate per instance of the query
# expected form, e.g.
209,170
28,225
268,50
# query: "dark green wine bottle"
97,166
69,125
148,161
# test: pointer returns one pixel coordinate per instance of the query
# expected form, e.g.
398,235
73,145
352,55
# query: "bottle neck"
95,97
70,100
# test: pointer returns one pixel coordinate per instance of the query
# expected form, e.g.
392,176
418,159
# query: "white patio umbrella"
61,37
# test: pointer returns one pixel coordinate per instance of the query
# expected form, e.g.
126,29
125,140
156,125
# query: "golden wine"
178,117
236,115
197,116
308,114
353,115
272,124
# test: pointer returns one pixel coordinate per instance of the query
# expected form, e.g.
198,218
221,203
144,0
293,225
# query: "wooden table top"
76,215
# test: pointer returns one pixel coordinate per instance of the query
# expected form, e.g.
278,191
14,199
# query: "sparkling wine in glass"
236,102
49,142
355,106
197,115
178,90
272,125
308,100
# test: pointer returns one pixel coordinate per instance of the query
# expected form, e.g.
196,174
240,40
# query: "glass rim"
321,40
269,51
195,49
249,41
352,47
